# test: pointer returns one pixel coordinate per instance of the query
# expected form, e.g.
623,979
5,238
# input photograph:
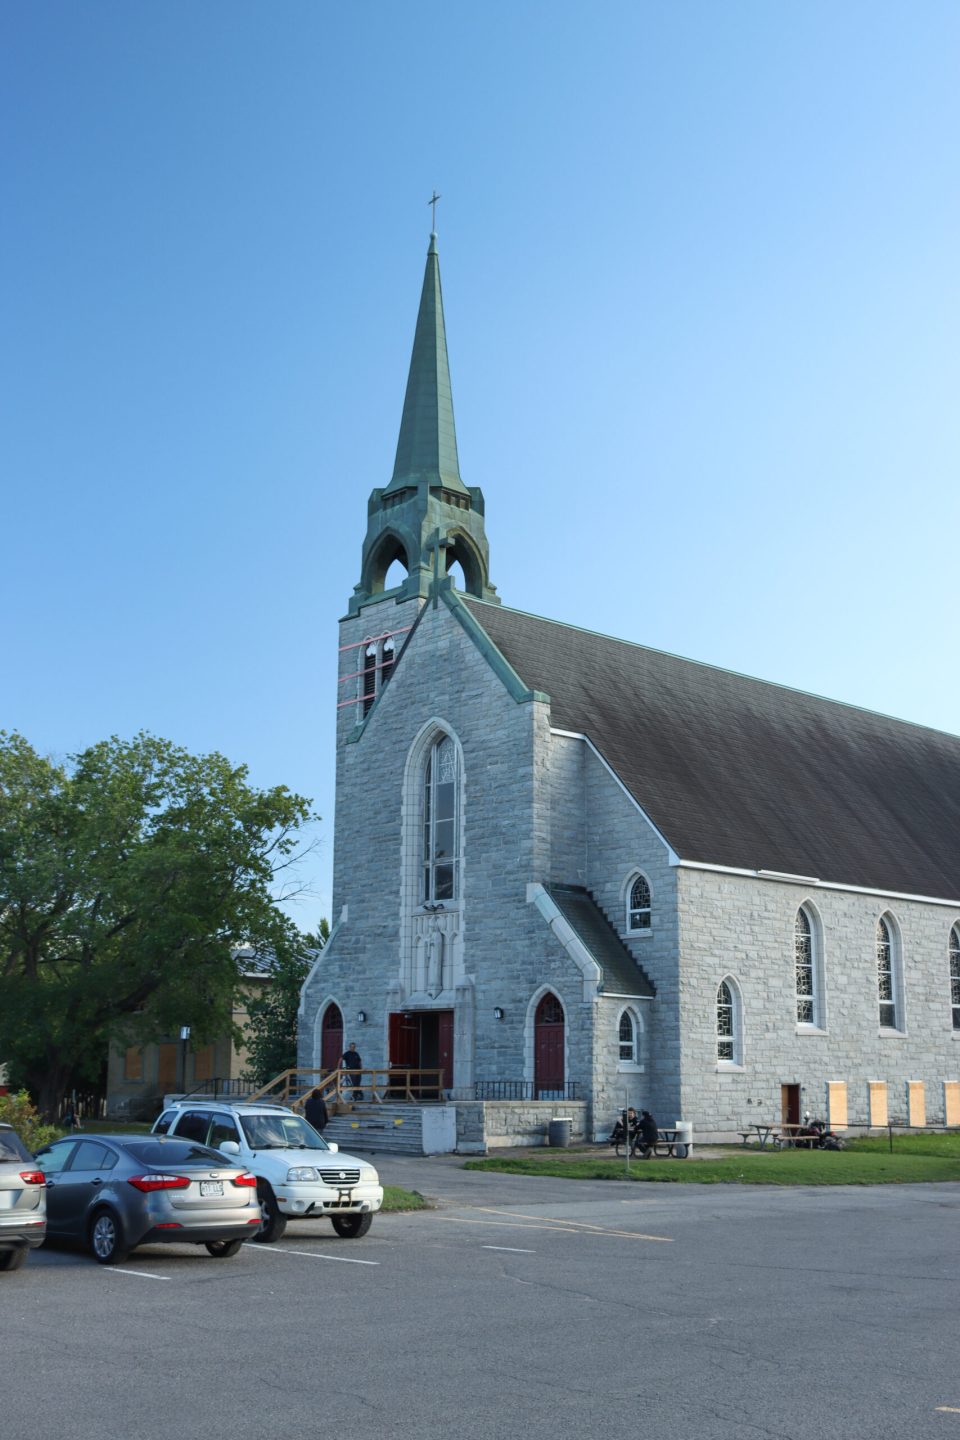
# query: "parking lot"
518,1305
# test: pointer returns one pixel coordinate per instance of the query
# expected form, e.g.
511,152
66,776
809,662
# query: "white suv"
297,1174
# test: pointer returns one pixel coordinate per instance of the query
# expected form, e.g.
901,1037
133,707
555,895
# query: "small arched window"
955,975
441,822
369,678
729,1023
628,1038
888,975
639,908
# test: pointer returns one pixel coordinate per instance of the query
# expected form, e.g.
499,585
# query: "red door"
548,1032
331,1038
445,1048
405,1041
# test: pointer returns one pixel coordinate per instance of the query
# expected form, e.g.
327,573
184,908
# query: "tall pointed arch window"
441,823
369,677
955,975
639,905
386,663
888,975
808,969
729,1023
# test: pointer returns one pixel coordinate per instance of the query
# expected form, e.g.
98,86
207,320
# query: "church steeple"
427,447
426,518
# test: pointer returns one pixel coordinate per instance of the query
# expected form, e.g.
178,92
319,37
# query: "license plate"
211,1187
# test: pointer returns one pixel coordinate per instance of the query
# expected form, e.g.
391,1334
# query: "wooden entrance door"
331,1038
548,1036
790,1104
445,1048
423,1040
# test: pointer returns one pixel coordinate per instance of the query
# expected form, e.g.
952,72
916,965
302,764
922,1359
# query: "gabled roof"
739,772
622,975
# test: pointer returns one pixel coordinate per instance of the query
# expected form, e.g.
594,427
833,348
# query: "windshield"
164,1152
280,1132
11,1147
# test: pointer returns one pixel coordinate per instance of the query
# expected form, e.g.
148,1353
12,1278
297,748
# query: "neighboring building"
567,866
139,1076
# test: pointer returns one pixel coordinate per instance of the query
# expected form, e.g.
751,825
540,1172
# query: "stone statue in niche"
434,949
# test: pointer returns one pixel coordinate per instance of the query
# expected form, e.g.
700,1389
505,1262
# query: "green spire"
427,448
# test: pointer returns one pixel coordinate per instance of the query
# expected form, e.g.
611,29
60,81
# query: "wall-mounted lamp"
361,1017
497,1013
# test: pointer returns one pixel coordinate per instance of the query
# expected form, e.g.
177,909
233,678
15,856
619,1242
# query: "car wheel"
351,1227
13,1259
106,1239
272,1224
223,1249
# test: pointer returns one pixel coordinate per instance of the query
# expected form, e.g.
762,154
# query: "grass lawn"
915,1158
395,1198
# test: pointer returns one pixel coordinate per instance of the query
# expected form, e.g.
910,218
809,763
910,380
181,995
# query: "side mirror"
332,1146
230,1147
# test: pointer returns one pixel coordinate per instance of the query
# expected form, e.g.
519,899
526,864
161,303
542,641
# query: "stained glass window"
885,978
955,975
638,917
627,1043
806,978
726,1038
440,822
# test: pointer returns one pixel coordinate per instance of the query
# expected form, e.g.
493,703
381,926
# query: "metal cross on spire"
433,201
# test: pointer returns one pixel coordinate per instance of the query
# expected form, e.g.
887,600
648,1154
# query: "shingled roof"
739,772
622,975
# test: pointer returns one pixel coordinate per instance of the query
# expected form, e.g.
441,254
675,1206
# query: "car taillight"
245,1180
33,1177
158,1182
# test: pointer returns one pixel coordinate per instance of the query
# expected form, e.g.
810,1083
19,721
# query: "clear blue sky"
700,269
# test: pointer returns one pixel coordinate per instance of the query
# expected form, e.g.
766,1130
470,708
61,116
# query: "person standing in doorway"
350,1062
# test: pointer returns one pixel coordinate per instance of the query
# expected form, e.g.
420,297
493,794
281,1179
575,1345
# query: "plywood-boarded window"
203,1063
951,1102
837,1103
877,1096
167,1065
133,1063
916,1103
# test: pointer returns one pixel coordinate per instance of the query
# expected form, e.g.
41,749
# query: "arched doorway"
548,1038
331,1038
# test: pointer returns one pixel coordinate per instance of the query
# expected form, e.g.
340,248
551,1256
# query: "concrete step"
393,1129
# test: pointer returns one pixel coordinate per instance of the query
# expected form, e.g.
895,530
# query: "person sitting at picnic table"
617,1134
647,1134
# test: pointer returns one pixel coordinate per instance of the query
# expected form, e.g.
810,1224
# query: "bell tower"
426,517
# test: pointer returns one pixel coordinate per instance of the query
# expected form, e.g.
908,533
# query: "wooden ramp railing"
375,1083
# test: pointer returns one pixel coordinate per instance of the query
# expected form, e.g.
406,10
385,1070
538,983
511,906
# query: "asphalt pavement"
519,1306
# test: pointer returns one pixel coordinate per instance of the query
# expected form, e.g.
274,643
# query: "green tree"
128,878
271,1030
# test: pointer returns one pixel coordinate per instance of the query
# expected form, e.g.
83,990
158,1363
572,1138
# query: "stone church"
572,872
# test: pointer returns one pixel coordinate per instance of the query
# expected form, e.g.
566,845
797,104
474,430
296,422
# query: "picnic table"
764,1133
795,1135
673,1143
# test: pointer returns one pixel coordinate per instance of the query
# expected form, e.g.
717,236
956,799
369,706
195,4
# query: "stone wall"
744,927
484,1125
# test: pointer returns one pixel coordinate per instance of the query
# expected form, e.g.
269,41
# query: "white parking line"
514,1250
310,1254
143,1274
